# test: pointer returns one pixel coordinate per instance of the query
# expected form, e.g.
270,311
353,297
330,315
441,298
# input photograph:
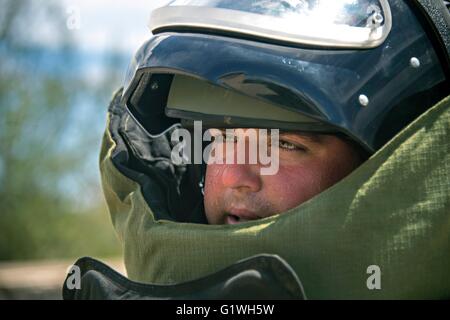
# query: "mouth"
233,219
236,216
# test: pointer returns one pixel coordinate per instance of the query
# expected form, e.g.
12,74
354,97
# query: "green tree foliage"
44,179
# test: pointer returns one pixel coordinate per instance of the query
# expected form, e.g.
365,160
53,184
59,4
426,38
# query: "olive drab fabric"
391,215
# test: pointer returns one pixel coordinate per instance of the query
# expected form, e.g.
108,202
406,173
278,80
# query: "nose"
242,177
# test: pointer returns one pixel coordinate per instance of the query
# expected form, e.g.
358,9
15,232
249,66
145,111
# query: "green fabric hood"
392,212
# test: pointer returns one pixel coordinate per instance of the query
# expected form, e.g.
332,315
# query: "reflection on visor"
340,23
356,13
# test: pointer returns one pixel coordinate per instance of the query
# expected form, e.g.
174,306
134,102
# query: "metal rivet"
414,62
363,100
154,86
376,20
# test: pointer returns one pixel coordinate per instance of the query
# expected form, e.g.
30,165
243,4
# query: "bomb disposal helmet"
361,68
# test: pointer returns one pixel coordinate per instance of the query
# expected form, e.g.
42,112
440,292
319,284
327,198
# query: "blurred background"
60,62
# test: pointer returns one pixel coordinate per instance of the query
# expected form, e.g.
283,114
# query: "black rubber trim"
435,19
276,274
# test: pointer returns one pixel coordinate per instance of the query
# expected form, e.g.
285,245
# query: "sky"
98,27
110,24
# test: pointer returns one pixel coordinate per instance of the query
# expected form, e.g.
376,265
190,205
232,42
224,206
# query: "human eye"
289,146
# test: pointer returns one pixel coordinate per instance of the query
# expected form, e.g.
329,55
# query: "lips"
235,216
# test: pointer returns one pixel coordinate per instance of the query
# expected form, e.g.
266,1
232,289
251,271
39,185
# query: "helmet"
361,68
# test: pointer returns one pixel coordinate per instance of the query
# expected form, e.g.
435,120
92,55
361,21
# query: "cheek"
213,190
295,184
291,186
213,178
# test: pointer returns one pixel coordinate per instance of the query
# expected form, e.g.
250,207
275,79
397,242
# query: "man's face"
308,164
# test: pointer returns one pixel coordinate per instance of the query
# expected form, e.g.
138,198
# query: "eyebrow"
312,137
